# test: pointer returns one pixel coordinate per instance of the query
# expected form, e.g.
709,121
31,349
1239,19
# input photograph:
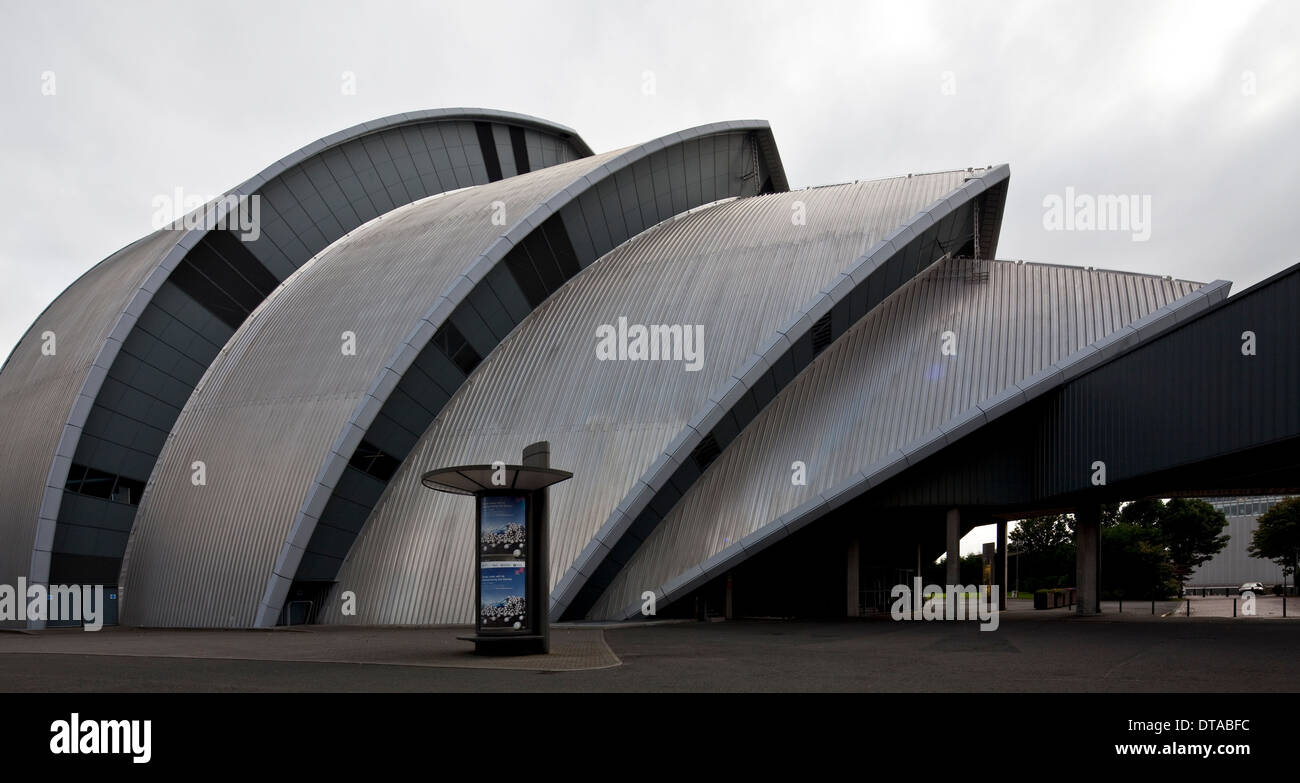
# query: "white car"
1251,587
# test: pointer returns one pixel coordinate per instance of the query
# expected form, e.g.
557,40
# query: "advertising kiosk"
510,553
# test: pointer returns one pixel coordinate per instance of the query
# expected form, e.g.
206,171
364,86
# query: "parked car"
1251,587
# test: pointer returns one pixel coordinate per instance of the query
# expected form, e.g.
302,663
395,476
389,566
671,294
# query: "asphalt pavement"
1030,651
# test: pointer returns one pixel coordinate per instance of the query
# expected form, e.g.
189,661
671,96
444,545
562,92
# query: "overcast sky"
1197,107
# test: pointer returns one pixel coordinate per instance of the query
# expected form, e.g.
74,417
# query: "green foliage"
1134,563
1148,547
1110,514
1193,533
1042,535
972,569
1143,513
1046,547
1277,536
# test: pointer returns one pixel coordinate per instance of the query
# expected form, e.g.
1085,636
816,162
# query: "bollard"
1153,607
1234,607
1121,604
1189,608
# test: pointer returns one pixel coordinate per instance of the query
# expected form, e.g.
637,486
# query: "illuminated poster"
502,526
502,594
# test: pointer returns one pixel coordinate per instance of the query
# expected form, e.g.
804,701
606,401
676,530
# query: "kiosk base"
531,644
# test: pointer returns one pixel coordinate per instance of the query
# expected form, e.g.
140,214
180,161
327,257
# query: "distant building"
1234,565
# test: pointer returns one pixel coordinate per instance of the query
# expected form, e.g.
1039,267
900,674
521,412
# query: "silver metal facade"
142,338
1234,566
37,391
282,412
740,269
877,391
474,315
966,220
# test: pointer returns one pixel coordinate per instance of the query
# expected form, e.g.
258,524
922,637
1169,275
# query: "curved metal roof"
873,394
967,220
297,427
145,322
37,391
738,268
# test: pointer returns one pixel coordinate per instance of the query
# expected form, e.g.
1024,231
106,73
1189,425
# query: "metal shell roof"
127,327
740,268
879,388
38,393
279,416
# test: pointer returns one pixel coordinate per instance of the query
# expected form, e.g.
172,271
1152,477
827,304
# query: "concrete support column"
854,580
1087,542
954,547
1000,565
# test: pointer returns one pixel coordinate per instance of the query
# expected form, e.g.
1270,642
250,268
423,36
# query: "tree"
1134,563
1110,514
1192,531
972,569
1045,552
1277,536
1042,535
1143,513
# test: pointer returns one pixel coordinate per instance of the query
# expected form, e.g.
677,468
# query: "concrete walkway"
1046,650
572,649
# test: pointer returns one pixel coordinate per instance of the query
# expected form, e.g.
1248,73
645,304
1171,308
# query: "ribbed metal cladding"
1234,565
37,391
738,268
273,403
397,284
882,385
942,228
642,187
1133,414
162,337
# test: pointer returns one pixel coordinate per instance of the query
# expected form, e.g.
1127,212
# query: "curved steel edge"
656,477
304,524
57,477
1151,326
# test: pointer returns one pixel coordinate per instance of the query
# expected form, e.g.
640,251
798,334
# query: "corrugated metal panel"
608,420
38,391
1146,398
1234,566
307,200
945,227
273,403
879,388
392,283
